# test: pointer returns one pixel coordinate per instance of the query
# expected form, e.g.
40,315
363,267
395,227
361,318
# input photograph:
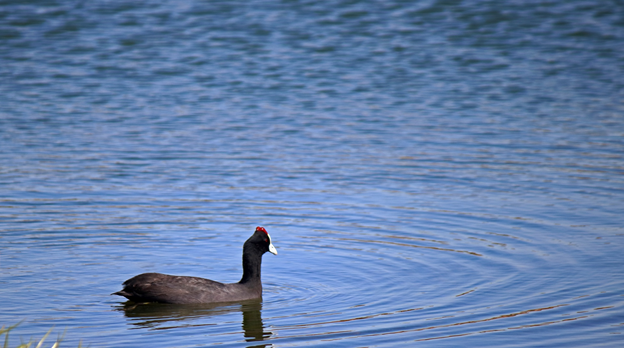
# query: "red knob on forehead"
261,229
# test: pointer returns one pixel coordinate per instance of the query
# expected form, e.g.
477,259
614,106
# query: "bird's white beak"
272,249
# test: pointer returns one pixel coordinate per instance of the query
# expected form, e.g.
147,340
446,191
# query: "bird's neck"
252,260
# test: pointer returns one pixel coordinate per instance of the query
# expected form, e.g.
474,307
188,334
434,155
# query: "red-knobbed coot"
158,287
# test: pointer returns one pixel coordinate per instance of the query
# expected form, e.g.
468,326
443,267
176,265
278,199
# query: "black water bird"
164,288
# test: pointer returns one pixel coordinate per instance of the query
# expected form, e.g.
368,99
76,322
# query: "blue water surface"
433,173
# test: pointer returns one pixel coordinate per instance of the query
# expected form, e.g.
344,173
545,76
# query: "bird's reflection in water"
159,316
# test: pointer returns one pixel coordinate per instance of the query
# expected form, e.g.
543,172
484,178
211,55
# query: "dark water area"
432,173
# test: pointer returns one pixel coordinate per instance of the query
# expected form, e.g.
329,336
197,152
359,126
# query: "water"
433,173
